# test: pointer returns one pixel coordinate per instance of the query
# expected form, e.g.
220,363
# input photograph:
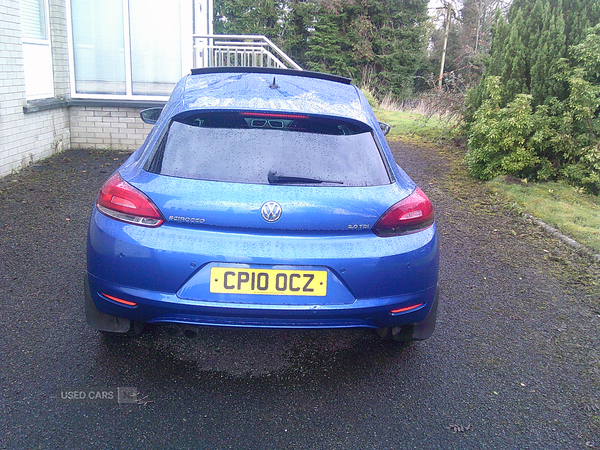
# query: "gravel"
514,362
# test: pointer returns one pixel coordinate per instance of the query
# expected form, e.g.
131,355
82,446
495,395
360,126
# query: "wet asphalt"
514,362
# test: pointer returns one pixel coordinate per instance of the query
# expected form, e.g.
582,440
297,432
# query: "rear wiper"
282,179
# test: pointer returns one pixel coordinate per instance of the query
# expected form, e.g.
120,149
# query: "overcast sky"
435,3
438,3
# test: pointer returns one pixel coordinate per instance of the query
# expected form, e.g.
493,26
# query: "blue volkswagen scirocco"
264,198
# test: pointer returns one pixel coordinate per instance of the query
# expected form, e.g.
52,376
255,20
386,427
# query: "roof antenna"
274,85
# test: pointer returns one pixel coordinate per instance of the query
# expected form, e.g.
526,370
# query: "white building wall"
33,130
27,137
107,127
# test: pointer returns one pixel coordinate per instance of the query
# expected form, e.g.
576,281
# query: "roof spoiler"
273,71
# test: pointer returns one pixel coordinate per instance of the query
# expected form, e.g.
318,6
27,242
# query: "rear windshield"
269,149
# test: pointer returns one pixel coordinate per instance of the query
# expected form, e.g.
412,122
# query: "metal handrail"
233,50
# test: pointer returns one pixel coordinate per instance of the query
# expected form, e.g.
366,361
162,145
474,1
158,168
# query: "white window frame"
186,8
38,64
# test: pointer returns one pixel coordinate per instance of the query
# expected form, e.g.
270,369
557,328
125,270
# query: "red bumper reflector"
119,300
408,308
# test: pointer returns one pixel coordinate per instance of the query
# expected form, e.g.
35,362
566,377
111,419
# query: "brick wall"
25,138
112,127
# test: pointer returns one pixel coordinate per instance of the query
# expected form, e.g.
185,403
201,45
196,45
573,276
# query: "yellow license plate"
227,280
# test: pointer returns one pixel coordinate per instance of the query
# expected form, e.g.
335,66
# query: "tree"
329,45
468,43
477,17
527,46
377,42
298,26
540,80
261,17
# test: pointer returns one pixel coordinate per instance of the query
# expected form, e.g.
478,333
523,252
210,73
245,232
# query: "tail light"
121,201
414,213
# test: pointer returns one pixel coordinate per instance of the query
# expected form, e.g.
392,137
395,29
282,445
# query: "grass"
561,206
413,126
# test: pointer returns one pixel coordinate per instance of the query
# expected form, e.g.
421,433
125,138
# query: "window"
127,48
155,56
98,46
269,149
37,51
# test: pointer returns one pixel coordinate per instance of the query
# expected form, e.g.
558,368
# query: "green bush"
502,140
536,115
559,140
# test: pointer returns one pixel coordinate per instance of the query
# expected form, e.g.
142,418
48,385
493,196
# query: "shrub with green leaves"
560,138
503,140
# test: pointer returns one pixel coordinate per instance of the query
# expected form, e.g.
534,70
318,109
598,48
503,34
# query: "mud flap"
102,321
418,331
423,330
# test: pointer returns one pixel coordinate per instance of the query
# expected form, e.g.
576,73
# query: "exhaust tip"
190,333
176,330
173,330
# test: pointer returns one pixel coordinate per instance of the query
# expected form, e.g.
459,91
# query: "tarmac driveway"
514,362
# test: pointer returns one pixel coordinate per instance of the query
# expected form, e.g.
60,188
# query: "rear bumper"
150,268
153,307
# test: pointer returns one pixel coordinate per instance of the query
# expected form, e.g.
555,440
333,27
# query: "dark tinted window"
264,148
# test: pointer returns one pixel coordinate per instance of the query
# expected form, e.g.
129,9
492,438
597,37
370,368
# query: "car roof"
269,89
